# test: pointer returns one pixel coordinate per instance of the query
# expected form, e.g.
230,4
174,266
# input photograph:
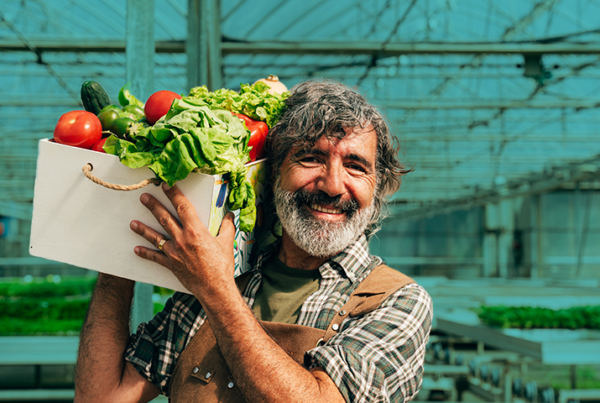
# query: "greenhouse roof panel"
467,122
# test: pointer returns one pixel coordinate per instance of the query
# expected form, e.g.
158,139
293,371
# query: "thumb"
227,230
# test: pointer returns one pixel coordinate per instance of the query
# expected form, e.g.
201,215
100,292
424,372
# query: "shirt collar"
352,261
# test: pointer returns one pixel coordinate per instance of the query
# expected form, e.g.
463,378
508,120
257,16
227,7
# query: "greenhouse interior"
496,108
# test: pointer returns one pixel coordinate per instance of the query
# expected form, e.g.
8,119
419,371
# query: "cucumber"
94,97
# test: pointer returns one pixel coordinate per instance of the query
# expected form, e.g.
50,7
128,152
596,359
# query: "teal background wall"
496,106
485,120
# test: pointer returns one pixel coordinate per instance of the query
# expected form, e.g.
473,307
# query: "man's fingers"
162,215
150,235
153,255
227,230
186,212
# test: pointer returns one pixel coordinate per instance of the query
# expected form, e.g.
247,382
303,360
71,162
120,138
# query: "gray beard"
316,237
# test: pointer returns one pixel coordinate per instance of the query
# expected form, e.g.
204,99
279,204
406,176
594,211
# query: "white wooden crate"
78,222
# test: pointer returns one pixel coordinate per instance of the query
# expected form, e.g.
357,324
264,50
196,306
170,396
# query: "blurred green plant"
50,286
50,305
579,317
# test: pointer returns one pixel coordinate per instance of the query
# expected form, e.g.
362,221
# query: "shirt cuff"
140,353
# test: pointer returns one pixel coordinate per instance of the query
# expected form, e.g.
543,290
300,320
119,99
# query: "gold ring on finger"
162,243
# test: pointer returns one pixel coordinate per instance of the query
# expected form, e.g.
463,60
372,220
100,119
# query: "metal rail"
527,186
44,100
582,350
324,47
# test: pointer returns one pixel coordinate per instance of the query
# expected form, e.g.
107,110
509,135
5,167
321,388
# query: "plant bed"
579,317
51,305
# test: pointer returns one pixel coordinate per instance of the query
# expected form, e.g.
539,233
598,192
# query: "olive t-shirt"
282,291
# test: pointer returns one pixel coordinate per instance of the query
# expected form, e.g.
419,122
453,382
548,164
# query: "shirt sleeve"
379,357
154,348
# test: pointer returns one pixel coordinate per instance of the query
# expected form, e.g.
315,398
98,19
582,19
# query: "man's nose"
332,181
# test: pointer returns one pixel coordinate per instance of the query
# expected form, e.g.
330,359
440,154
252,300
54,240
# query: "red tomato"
78,129
258,135
98,146
159,104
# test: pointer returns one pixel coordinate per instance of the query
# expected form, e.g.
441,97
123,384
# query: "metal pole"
534,236
505,237
42,44
203,45
490,240
139,53
195,74
139,56
585,226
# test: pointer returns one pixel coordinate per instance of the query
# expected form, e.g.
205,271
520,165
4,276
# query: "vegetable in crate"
107,117
158,105
254,101
276,86
78,129
94,97
193,136
120,127
99,146
258,135
126,98
198,133
135,110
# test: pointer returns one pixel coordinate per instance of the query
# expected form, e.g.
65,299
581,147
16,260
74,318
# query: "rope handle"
87,168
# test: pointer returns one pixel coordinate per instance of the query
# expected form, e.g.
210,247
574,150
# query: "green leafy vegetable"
194,136
252,100
126,98
200,133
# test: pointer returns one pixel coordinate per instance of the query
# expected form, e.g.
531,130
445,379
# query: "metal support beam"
402,48
495,104
538,183
140,71
428,260
322,47
536,242
20,210
490,241
139,55
203,46
27,261
45,100
506,228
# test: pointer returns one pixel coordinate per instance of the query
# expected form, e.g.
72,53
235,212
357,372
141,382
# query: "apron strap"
379,285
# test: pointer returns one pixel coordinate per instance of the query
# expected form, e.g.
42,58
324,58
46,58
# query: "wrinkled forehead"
355,143
334,136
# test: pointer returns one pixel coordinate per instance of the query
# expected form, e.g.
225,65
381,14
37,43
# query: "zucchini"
94,97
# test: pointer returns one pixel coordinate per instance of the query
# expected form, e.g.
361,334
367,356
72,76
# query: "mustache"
303,196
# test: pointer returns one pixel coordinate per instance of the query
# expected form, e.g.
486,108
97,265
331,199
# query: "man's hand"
201,262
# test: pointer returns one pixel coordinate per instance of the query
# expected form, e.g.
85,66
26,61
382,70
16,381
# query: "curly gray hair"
324,108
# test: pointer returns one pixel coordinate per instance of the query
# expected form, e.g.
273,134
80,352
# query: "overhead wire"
388,39
34,50
232,10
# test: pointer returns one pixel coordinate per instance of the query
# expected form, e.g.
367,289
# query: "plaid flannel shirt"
374,358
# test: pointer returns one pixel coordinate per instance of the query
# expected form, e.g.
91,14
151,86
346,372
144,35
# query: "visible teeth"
325,210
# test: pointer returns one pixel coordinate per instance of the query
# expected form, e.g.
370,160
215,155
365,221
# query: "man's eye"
308,159
356,167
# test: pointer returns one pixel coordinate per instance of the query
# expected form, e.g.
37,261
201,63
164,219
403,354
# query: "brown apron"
202,375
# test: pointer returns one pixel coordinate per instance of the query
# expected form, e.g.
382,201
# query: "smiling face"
324,194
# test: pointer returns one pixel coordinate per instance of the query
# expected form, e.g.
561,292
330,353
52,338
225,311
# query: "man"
332,162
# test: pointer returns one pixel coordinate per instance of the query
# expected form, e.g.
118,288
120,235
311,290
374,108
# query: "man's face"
324,195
